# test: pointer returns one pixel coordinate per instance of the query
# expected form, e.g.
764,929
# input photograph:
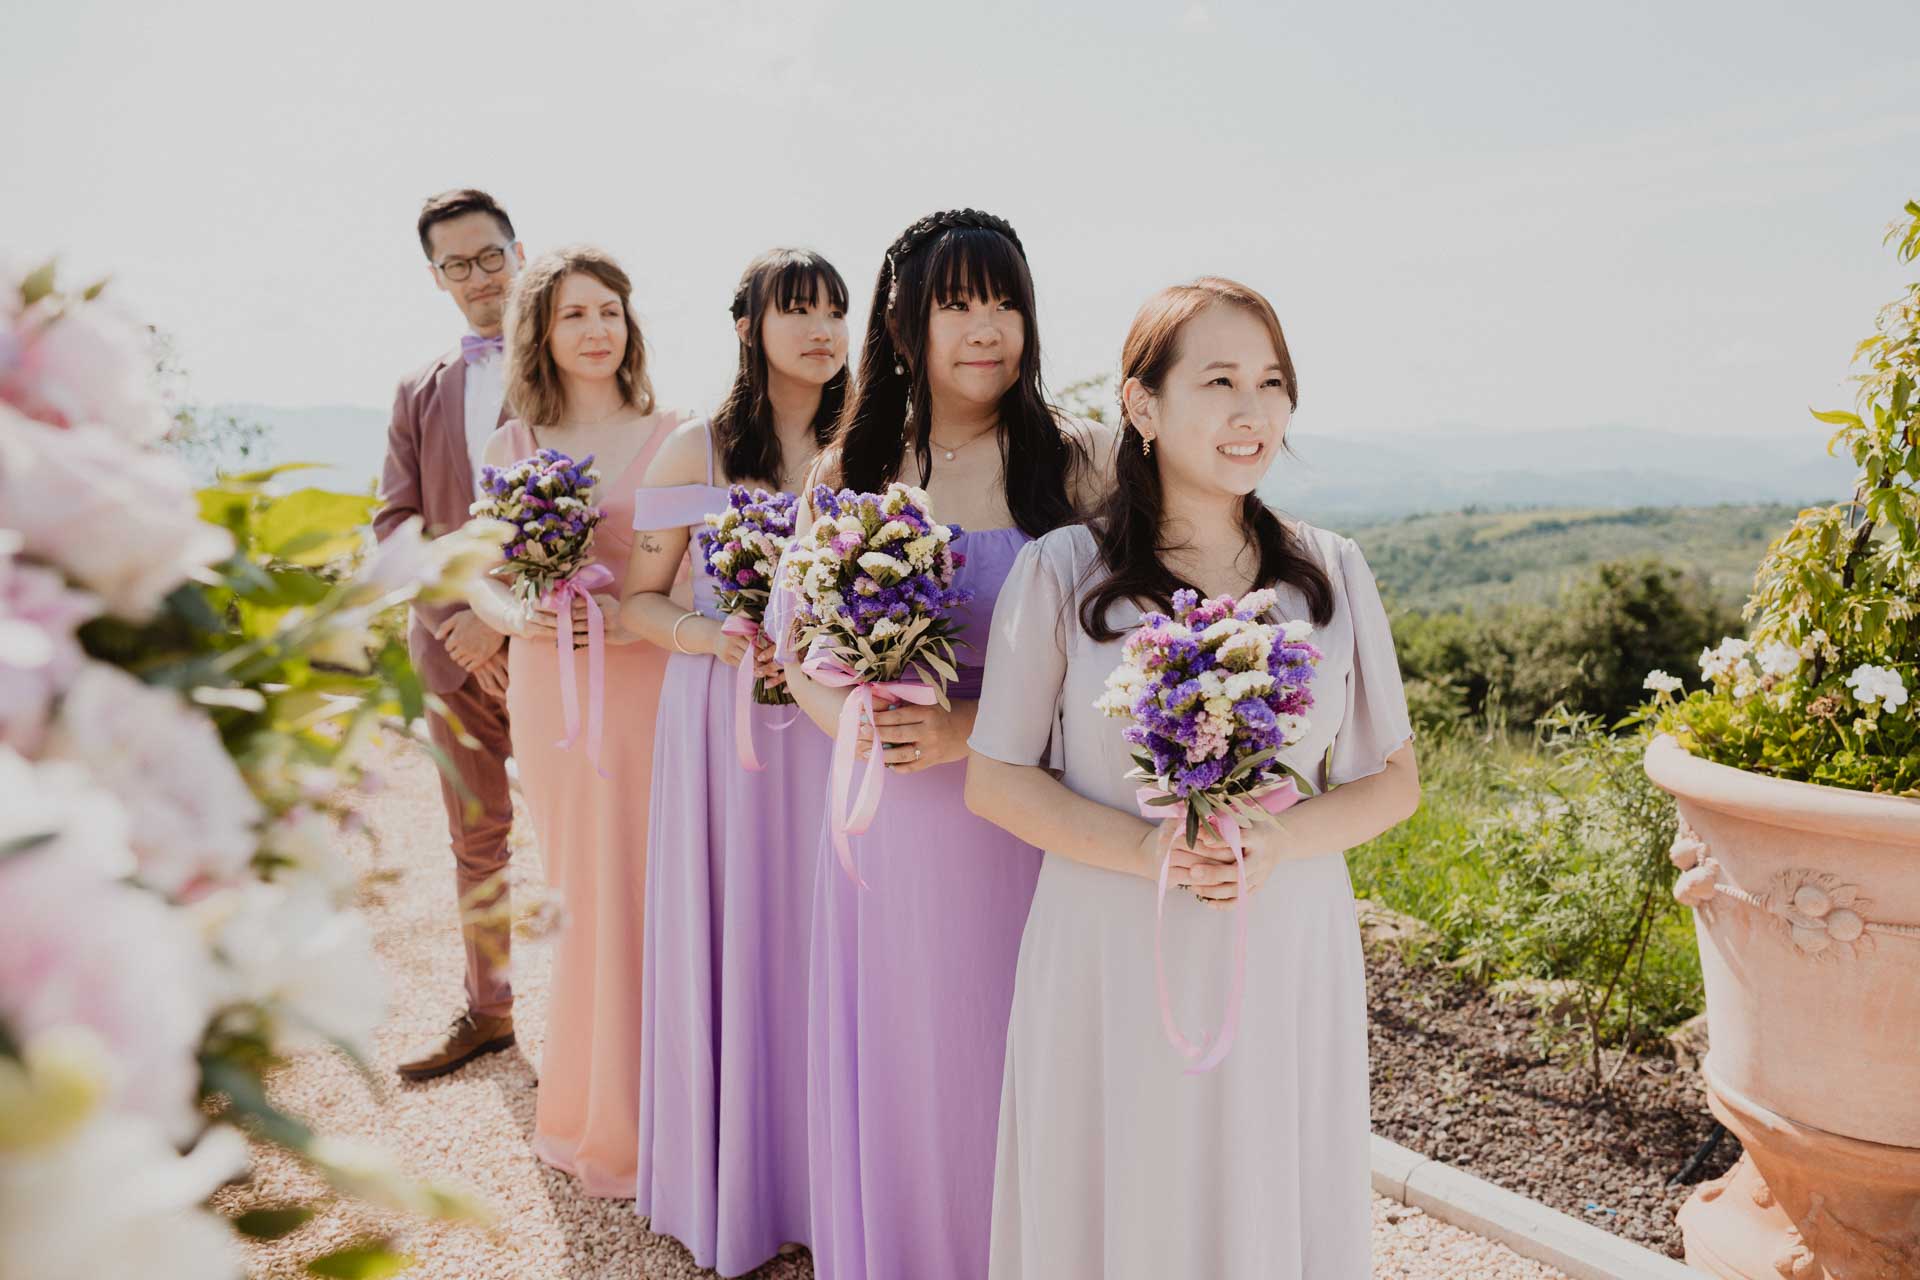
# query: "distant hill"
1458,560
1358,479
1337,481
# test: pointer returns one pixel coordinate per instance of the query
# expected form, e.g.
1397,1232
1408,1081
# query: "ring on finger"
916,753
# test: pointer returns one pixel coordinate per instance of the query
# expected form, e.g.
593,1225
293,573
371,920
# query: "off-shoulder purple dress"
911,984
730,867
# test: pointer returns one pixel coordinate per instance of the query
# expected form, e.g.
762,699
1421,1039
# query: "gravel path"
471,1128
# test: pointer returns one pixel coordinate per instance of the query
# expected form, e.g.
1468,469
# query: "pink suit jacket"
429,474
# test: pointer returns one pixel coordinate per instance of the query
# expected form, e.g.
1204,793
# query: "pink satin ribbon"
853,815
1206,1055
740,625
560,599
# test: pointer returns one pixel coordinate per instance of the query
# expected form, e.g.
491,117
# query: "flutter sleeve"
1026,669
1376,722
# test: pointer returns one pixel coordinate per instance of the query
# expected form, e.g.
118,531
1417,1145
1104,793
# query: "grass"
1422,865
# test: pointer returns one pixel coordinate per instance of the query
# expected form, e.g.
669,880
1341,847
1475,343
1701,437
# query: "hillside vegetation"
1478,559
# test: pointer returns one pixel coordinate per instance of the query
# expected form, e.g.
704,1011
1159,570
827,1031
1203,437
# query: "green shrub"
1578,894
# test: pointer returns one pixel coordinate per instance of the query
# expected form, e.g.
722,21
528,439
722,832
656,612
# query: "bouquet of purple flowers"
548,500
872,578
1214,693
740,548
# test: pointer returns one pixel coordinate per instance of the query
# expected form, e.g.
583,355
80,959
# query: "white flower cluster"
1661,682
1737,665
1880,688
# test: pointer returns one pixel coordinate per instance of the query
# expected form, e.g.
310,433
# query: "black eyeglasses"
492,260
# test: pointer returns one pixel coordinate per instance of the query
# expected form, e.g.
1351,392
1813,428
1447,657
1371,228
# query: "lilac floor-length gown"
730,868
912,981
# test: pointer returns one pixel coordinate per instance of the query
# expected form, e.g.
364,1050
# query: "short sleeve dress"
1113,1162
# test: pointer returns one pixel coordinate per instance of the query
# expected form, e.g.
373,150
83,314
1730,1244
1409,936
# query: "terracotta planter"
1807,909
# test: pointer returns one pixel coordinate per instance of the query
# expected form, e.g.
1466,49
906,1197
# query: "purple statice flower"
547,499
1211,691
873,576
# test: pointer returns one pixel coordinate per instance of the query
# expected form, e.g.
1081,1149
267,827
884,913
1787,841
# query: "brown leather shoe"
471,1036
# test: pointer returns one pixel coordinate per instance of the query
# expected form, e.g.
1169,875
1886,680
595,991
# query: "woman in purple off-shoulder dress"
730,866
912,976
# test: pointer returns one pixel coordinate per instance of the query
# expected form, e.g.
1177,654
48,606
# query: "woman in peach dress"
577,383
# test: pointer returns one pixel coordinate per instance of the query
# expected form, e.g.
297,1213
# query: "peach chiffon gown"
592,834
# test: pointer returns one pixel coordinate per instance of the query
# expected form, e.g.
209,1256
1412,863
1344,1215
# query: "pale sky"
1488,215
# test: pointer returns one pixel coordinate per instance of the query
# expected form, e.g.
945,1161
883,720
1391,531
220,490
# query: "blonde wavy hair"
534,391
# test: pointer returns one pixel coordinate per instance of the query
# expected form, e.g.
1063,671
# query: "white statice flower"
118,1199
1661,682
1777,658
287,947
1292,727
1218,633
1878,686
893,531
1247,651
121,522
1294,630
885,569
921,552
79,950
885,629
849,524
944,532
1242,685
1258,602
192,814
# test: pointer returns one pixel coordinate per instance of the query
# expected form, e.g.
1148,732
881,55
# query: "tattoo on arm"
650,544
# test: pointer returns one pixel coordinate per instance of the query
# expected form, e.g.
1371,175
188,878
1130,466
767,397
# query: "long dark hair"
743,424
1127,526
953,254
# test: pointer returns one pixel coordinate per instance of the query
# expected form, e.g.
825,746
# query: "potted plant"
1797,776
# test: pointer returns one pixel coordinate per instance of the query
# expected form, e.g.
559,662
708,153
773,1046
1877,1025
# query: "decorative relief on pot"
1859,1253
1817,912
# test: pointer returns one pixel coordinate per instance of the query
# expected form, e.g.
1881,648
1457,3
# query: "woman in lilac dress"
912,977
722,1082
1114,1163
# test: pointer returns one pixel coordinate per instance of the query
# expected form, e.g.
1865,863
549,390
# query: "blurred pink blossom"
83,950
38,651
192,815
67,363
122,522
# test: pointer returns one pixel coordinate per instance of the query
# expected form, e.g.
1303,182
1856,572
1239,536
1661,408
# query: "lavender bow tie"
474,348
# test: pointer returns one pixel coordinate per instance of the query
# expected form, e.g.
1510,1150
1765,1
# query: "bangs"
802,278
980,265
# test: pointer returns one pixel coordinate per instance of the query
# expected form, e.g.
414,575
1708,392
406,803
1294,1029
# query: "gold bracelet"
691,613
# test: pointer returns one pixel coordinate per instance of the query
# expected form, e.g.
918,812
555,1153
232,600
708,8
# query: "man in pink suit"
442,416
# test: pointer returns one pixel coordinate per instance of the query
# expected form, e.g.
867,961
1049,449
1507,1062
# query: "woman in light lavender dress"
1113,1162
912,976
730,865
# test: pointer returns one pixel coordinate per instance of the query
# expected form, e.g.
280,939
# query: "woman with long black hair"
912,976
1115,1163
723,1115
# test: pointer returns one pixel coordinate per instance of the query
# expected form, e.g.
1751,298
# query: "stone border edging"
1527,1227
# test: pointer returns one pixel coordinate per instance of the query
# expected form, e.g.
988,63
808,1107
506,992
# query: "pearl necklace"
948,453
